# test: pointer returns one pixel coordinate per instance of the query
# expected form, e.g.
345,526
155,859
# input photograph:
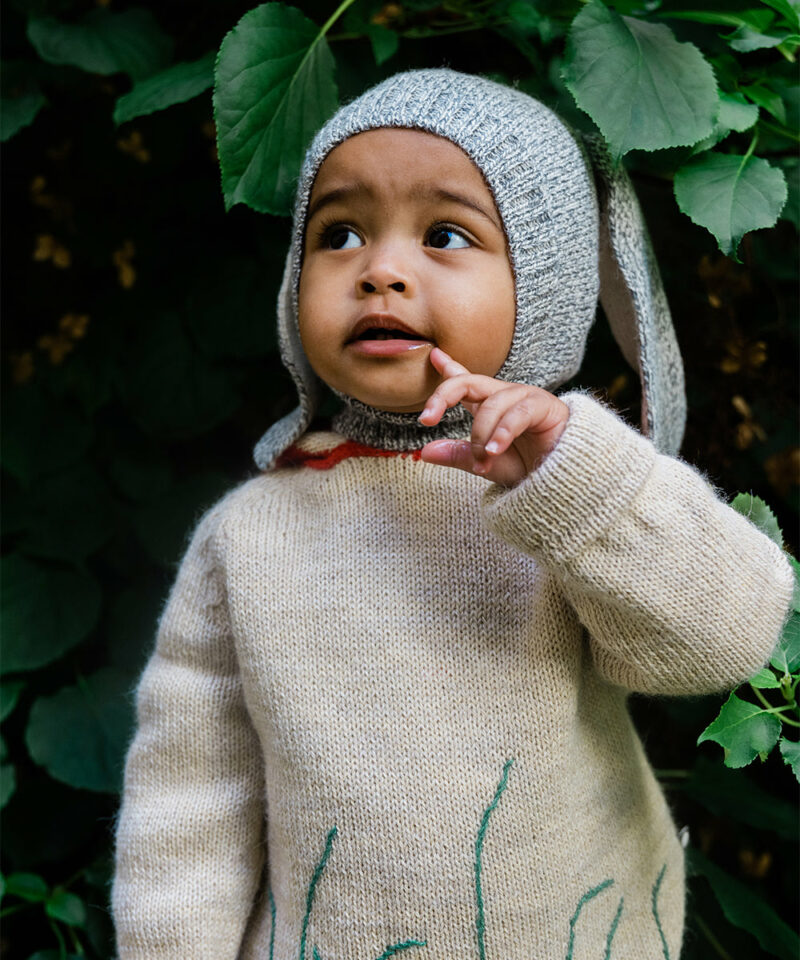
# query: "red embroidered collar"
294,456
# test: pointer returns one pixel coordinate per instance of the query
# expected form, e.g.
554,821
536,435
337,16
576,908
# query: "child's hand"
515,426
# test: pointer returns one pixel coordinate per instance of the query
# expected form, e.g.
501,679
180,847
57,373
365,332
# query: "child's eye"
342,238
446,238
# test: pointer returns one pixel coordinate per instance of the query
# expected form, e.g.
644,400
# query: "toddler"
386,713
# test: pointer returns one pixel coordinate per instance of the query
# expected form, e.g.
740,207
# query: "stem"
706,930
62,947
334,17
781,131
780,711
76,943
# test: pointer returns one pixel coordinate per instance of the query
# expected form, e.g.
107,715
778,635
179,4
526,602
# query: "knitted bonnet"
574,231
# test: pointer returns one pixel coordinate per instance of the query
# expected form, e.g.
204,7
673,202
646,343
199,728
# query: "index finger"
445,364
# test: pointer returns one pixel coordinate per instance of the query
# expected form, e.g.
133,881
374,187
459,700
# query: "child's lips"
387,347
385,335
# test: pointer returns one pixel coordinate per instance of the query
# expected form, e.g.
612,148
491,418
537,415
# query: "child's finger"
494,411
466,388
445,364
459,453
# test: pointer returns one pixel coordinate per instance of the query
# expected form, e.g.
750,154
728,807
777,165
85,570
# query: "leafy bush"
141,364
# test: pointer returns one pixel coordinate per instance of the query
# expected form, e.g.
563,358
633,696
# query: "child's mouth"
379,342
383,340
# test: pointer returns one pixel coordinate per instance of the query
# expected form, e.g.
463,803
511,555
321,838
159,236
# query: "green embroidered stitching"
480,920
271,925
589,895
311,888
654,902
613,929
397,947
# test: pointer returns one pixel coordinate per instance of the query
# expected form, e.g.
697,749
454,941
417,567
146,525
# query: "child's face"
402,234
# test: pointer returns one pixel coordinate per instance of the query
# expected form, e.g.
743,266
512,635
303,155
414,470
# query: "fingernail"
492,446
480,467
425,413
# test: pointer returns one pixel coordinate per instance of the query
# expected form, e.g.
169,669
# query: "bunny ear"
284,433
633,299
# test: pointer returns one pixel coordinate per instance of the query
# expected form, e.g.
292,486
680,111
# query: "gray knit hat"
566,245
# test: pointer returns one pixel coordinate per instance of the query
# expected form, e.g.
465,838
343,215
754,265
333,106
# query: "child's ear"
634,301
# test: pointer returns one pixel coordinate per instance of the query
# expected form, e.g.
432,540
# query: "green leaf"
790,751
27,886
744,730
731,793
767,98
765,679
756,19
735,113
171,389
791,170
68,515
9,695
745,40
274,88
66,907
384,42
36,632
745,909
17,112
796,594
786,657
8,783
176,84
103,42
80,734
642,88
730,195
759,514
787,9
43,439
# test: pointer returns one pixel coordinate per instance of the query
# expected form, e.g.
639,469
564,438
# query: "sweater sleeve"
678,592
189,845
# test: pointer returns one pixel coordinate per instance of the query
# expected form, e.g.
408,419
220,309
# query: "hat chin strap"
635,304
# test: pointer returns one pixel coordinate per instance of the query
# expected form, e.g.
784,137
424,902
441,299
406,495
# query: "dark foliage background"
139,368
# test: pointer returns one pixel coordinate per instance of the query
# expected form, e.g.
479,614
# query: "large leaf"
744,730
17,112
274,87
171,390
66,907
40,437
9,694
730,195
8,783
103,42
46,611
759,514
731,793
786,657
745,909
67,515
790,751
80,734
176,84
642,88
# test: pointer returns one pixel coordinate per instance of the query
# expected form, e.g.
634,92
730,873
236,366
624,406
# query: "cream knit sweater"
387,714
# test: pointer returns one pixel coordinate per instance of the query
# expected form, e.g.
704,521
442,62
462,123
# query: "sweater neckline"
397,432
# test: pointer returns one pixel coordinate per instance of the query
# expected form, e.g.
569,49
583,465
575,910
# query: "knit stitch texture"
386,713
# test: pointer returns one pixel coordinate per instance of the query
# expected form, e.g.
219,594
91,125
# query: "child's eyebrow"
428,193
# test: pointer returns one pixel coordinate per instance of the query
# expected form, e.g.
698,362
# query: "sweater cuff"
592,474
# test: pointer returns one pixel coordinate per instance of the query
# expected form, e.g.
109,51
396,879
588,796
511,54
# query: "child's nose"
383,273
